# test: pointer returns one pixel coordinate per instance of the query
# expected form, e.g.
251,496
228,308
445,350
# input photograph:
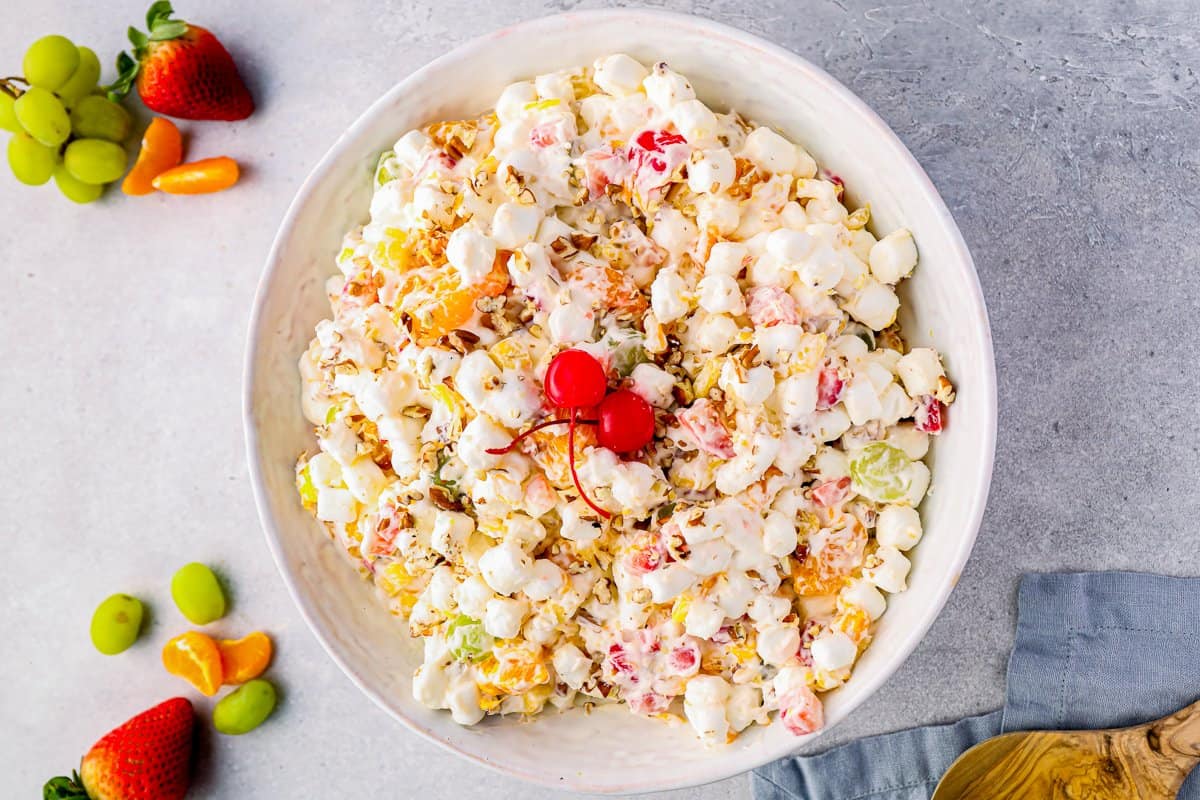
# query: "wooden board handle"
1179,734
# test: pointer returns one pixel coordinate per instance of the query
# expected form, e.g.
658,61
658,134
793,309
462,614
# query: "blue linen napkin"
1093,650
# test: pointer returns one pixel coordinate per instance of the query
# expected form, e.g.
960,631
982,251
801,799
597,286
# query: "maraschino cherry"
575,380
626,422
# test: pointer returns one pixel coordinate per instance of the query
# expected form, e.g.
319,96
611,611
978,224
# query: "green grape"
245,708
97,117
308,491
30,160
83,79
384,168
75,189
198,593
43,116
8,117
467,639
95,160
50,62
116,624
881,472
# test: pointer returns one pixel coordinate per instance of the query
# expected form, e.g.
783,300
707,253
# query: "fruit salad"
613,408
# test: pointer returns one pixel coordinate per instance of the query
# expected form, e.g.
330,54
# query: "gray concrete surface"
1063,136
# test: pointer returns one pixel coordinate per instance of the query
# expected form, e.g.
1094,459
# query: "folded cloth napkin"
1093,650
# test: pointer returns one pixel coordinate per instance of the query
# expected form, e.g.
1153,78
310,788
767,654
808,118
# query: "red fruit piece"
182,70
801,712
604,166
648,555
829,388
655,155
928,416
647,703
808,631
626,422
772,305
548,133
830,493
684,659
658,141
703,423
619,665
435,162
382,542
147,758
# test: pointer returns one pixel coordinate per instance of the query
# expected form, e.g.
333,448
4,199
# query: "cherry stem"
574,476
500,451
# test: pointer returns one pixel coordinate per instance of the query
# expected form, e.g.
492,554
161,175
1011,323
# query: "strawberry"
147,758
181,70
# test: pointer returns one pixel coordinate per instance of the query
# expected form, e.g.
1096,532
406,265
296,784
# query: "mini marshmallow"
512,101
704,619
889,570
506,568
666,88
720,294
919,370
502,617
695,121
711,171
874,305
619,74
726,258
898,526
770,151
668,296
833,651
514,225
777,644
893,257
863,594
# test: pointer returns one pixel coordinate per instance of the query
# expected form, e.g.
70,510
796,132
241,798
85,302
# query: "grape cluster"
63,126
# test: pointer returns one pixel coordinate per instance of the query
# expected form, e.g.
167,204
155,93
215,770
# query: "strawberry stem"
64,788
571,461
500,451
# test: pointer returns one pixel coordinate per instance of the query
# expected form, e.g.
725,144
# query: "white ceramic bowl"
612,750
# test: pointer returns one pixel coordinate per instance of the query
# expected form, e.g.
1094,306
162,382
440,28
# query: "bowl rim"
913,172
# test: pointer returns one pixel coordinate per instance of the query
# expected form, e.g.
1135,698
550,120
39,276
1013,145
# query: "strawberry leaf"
137,38
160,10
127,70
64,788
160,24
168,30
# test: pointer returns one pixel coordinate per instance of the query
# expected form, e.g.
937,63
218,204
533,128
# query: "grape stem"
6,86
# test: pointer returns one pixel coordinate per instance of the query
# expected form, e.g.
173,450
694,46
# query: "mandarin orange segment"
196,658
244,659
199,177
438,303
615,288
162,148
551,454
495,282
